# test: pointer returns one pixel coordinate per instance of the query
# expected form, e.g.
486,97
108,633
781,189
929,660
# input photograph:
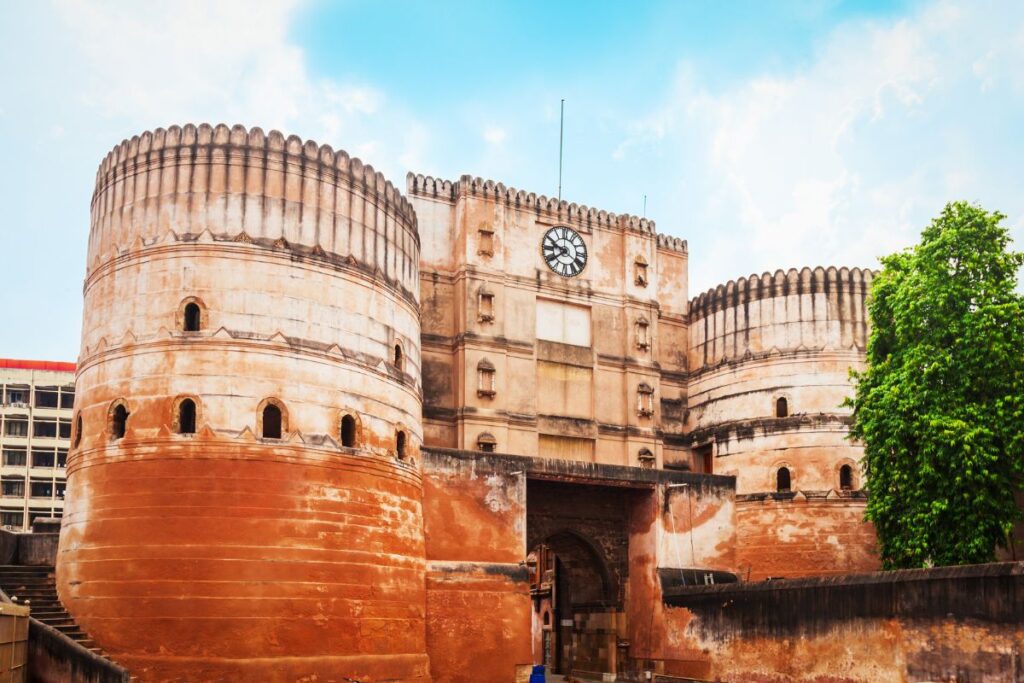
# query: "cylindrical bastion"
244,490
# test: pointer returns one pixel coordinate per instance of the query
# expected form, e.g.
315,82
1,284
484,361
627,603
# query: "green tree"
940,407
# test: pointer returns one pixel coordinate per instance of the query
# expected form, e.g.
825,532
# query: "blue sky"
768,135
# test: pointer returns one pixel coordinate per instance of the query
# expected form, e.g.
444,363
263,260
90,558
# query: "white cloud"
494,135
846,158
155,64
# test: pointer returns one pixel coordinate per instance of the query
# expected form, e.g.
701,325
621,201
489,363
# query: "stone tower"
769,360
244,487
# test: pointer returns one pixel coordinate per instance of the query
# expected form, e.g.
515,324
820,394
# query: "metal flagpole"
561,131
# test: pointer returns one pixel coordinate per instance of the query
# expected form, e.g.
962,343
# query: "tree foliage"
940,407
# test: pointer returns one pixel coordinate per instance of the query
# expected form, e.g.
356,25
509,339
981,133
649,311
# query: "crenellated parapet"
252,187
851,281
555,210
670,243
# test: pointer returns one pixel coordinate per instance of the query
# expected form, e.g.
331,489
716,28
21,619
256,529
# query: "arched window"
78,431
399,358
486,443
846,478
272,421
187,416
118,420
348,431
547,618
781,407
192,317
191,314
782,480
400,444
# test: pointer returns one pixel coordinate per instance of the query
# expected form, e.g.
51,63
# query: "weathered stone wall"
949,624
791,337
483,275
223,554
478,590
485,512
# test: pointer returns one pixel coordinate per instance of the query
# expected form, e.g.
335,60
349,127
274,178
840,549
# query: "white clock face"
564,251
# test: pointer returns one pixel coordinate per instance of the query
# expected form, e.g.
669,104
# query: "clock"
564,251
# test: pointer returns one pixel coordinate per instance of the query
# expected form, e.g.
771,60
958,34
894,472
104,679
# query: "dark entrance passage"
578,535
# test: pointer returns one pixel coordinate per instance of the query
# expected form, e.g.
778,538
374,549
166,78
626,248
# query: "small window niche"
646,458
398,357
401,447
76,439
118,420
485,240
272,418
191,315
349,431
704,458
643,334
485,306
186,416
846,478
783,480
640,271
485,379
645,400
486,443
781,407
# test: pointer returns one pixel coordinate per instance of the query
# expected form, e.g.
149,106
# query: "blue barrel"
537,676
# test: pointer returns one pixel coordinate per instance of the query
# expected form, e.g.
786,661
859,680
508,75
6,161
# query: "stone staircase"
36,588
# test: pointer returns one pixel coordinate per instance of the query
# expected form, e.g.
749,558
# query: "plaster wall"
484,243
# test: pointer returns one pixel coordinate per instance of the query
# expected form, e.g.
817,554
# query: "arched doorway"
574,586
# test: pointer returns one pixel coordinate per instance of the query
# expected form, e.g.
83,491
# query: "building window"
62,459
846,478
17,397
645,400
486,236
118,420
14,457
640,271
186,417
646,457
399,358
64,429
47,397
41,489
67,398
400,444
783,481
485,306
349,431
46,429
13,487
17,426
485,386
704,458
643,334
781,407
273,420
191,315
42,458
12,519
78,431
486,443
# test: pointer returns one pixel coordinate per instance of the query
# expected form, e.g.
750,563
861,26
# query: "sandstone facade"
324,430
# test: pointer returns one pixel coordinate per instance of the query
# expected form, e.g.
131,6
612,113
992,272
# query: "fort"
326,429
